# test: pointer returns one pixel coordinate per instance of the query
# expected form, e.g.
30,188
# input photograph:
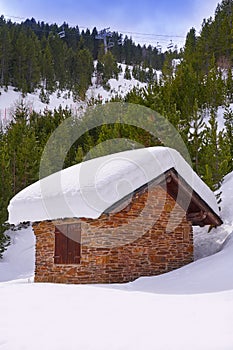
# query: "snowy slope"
120,87
10,99
189,308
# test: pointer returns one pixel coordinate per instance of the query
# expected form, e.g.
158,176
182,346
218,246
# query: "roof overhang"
198,212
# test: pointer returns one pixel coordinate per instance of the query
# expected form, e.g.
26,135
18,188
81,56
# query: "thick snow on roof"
89,188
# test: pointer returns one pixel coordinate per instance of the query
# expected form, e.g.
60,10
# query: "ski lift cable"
118,30
154,35
142,37
16,17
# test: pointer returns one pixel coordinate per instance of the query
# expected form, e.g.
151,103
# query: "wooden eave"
198,212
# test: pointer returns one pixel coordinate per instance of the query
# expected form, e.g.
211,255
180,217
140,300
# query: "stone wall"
149,236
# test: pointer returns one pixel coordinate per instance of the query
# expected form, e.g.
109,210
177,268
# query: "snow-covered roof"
89,188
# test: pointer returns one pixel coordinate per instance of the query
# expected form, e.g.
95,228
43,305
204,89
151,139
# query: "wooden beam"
196,217
211,217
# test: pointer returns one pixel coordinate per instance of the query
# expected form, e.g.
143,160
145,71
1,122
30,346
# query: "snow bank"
204,246
19,259
89,188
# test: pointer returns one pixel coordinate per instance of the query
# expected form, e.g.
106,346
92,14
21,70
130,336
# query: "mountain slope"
11,98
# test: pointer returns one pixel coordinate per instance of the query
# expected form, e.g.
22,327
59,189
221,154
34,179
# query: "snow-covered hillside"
118,87
189,308
11,98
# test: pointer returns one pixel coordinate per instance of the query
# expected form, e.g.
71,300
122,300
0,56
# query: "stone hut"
115,218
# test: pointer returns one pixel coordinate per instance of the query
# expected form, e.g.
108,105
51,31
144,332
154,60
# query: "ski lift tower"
102,35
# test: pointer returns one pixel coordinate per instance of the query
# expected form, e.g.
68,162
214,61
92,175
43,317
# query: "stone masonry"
147,236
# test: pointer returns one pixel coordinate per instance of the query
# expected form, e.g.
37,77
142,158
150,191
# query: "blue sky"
172,18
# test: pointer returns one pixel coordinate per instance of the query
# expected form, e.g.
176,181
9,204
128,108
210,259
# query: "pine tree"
33,63
23,150
150,76
127,74
20,61
195,136
225,155
229,86
88,40
127,50
228,116
167,70
47,67
5,55
185,89
83,70
190,47
214,154
214,86
99,73
135,72
110,67
59,53
5,191
95,43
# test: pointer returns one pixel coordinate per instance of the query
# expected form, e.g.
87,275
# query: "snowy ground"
189,308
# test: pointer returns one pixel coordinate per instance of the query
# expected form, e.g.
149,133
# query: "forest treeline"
188,95
36,55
